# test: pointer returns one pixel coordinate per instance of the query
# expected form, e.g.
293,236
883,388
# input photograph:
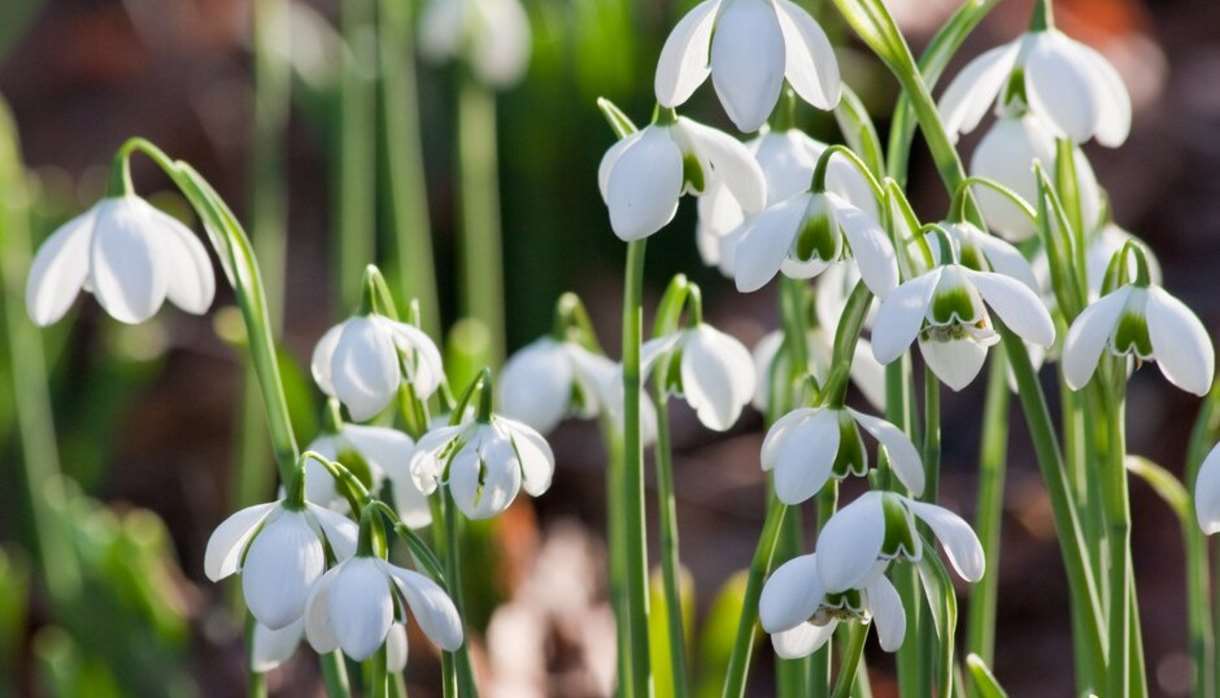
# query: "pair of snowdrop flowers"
805,598
492,36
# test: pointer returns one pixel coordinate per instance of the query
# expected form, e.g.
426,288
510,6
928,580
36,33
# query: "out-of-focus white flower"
386,453
129,255
749,47
642,176
354,606
1207,493
484,464
493,36
810,445
716,373
548,379
801,616
1145,322
280,553
866,372
361,361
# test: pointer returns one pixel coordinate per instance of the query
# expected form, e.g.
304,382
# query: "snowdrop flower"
548,379
1207,493
1067,84
361,361
944,308
485,463
801,616
983,252
715,372
280,551
810,445
360,604
271,648
492,35
1103,245
377,453
749,47
129,255
880,526
642,176
1144,321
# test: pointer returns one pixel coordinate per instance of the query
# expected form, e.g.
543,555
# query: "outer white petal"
485,480
803,640
780,431
386,450
766,242
124,272
683,65
1004,258
606,166
728,160
227,544
365,368
956,362
323,355
396,648
410,503
282,563
431,606
424,368
787,159
901,316
360,607
1088,336
271,648
535,385
340,531
425,465
717,376
869,244
1207,493
973,90
1114,101
763,355
1016,304
1007,154
59,270
191,283
1059,87
318,627
961,545
748,61
719,216
651,352
849,546
535,455
904,458
644,185
791,595
809,60
888,613
868,374
1180,343
804,457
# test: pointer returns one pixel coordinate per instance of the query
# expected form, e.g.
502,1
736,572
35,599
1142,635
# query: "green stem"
616,533
482,265
377,687
453,577
334,675
929,646
1118,538
857,634
1198,606
355,230
668,523
747,627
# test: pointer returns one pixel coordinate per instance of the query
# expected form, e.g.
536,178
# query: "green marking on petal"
952,305
817,239
971,258
1014,93
851,459
1131,336
692,173
900,531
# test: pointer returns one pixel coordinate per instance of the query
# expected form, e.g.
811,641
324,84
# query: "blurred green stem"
668,522
334,675
355,230
980,629
1200,623
857,634
616,533
931,463
747,627
453,578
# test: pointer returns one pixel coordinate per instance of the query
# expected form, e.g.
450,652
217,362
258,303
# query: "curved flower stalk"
384,452
948,309
715,374
492,36
362,361
880,526
129,255
801,616
810,445
271,648
749,47
643,175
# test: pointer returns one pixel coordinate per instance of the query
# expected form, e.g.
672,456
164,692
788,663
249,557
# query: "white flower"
801,616
492,35
1007,154
354,606
129,255
810,445
361,362
1147,323
280,553
1207,493
1066,83
982,252
385,452
548,379
715,372
271,648
945,309
1102,247
484,464
880,526
749,47
866,372
642,176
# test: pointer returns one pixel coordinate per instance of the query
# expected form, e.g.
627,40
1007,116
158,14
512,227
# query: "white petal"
365,368
651,352
717,376
850,544
809,59
191,283
803,640
396,648
1114,101
901,316
318,627
955,362
124,273
282,563
340,531
766,242
385,450
323,356
227,543
1088,336
431,607
606,166
961,545
805,456
748,61
1180,343
719,216
973,90
1007,154
1004,258
535,385
1059,87
726,159
869,244
425,465
644,185
534,453
904,458
424,368
1207,493
485,480
888,614
360,607
410,503
1017,305
271,648
59,270
763,355
791,595
780,431
320,486
683,65
868,374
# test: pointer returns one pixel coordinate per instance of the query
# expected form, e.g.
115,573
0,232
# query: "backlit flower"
715,372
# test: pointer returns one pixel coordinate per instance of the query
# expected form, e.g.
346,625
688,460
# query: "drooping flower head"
550,378
493,36
715,373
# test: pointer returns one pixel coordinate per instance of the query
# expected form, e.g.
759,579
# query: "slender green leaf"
985,684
